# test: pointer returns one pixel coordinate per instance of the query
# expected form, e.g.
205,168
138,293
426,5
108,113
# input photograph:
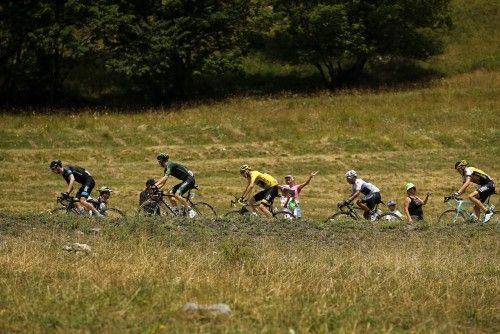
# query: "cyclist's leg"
268,200
182,189
84,193
479,196
257,206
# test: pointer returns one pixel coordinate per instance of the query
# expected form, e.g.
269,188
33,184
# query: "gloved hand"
241,201
455,194
65,194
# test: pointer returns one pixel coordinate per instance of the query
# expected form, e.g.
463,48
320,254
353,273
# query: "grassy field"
390,137
277,277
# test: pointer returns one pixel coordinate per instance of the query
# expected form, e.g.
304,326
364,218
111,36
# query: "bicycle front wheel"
389,216
63,212
340,217
283,215
452,216
204,210
153,209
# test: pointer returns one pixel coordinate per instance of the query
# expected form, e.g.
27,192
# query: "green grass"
307,277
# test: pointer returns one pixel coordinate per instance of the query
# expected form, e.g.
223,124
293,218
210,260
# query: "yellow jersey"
263,180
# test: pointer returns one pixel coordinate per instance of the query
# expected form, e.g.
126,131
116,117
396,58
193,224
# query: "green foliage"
340,37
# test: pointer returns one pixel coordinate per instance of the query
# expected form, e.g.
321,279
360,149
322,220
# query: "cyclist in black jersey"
72,174
182,173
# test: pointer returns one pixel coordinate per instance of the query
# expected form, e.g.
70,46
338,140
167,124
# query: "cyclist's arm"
71,183
464,186
248,189
354,195
161,182
407,209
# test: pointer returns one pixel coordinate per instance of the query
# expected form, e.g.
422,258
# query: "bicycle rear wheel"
340,217
204,210
452,216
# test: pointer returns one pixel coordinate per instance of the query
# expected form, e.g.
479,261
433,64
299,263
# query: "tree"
340,37
163,51
41,42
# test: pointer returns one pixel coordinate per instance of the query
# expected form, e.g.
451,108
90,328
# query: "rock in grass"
207,308
76,247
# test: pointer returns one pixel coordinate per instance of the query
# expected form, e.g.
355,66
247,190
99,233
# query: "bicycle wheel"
389,216
452,216
63,212
283,215
204,210
340,217
154,209
114,215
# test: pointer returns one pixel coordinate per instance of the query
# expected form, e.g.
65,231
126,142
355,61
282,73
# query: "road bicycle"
245,211
156,206
348,212
68,207
460,213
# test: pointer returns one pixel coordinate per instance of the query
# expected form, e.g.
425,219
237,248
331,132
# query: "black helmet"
162,157
150,182
55,163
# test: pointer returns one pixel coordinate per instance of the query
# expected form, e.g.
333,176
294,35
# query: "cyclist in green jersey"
479,196
182,173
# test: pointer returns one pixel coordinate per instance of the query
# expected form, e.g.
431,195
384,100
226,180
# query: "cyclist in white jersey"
371,194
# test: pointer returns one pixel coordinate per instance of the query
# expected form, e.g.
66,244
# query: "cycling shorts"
86,188
486,191
183,187
371,200
267,196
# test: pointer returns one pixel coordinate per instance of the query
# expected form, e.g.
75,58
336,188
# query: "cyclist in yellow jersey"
479,196
265,196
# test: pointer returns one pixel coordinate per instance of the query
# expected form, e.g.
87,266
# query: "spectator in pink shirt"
291,194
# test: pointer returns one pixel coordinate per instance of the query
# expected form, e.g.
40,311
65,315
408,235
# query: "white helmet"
351,174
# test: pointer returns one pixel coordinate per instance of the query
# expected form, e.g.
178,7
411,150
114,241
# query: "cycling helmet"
55,163
105,190
351,174
150,182
391,203
245,168
162,157
461,163
289,177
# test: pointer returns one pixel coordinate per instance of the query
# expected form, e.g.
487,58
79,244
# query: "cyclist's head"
162,158
351,175
55,165
391,204
409,186
289,178
244,169
150,182
105,191
461,164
